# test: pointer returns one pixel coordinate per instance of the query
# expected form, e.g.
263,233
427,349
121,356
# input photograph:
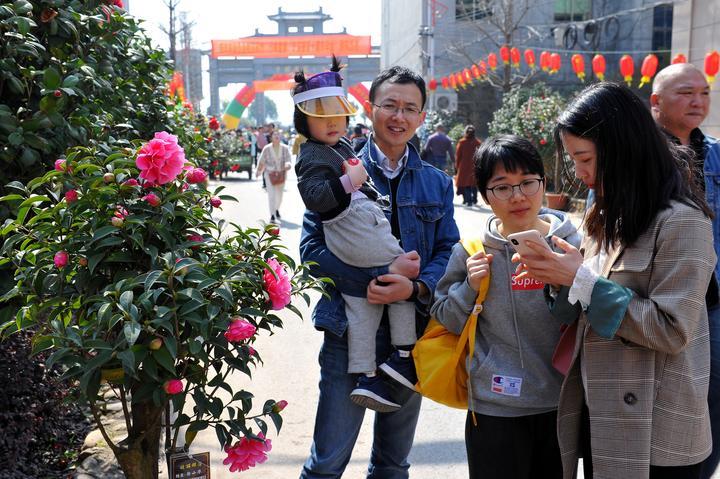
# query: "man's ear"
654,100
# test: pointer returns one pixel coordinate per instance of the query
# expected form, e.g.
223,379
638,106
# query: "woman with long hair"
634,400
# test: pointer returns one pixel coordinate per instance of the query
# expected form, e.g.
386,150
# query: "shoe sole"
370,400
396,376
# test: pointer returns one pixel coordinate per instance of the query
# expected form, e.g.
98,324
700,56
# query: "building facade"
440,37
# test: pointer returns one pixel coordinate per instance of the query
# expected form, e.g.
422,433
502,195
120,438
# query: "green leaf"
198,426
131,330
94,260
51,78
225,293
126,300
103,232
128,360
151,277
34,199
150,367
171,344
277,420
164,359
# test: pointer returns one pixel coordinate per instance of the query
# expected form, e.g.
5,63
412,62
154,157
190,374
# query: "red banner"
361,94
283,47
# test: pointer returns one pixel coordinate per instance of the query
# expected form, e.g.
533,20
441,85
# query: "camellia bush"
131,283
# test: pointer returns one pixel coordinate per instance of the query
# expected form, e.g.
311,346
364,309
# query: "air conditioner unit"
445,101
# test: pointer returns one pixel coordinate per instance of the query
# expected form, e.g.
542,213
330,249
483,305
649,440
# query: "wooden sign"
190,466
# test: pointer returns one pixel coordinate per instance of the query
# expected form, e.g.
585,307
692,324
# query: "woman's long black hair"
637,173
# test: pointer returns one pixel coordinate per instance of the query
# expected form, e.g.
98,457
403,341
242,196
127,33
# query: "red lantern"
545,61
460,79
679,58
578,65
467,76
530,58
492,61
444,82
453,81
555,62
648,69
475,71
627,67
432,84
598,66
482,67
515,57
712,63
505,54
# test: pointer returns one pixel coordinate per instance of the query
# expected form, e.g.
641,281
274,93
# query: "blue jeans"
711,463
338,419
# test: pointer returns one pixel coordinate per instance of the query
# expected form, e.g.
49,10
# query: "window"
292,29
472,9
308,29
662,32
572,10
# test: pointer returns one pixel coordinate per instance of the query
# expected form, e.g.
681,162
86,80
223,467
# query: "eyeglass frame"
396,110
539,181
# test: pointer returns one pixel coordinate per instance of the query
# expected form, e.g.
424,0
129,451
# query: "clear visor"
327,106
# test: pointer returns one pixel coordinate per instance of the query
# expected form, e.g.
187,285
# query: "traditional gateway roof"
280,15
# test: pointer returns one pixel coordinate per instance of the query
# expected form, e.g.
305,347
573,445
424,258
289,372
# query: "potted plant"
531,112
131,284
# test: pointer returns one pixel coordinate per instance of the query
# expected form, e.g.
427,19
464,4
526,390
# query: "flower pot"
557,201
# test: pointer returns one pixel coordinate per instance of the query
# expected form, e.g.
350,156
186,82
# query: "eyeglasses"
527,188
391,109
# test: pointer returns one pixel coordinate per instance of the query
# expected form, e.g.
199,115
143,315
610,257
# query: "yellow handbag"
440,355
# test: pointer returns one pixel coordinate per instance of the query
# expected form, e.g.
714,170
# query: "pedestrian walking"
465,182
634,401
438,148
273,165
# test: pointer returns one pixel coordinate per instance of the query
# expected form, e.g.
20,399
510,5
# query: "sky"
225,19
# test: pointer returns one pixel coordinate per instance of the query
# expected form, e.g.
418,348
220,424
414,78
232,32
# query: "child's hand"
356,171
478,267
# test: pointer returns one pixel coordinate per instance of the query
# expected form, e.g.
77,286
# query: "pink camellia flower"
215,202
117,222
71,196
173,386
195,237
118,3
61,259
161,159
196,175
152,198
278,288
239,330
131,182
279,406
60,165
247,453
120,212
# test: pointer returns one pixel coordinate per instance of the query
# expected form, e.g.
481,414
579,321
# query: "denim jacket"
712,189
427,225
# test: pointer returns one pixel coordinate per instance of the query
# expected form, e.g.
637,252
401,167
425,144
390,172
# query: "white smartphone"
517,240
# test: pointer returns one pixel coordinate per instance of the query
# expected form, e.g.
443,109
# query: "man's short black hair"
400,75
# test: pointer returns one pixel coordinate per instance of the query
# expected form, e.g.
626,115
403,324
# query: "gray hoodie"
510,372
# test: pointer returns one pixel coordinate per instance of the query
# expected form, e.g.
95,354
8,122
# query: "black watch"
415,291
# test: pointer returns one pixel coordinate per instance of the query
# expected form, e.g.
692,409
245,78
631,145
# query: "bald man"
680,101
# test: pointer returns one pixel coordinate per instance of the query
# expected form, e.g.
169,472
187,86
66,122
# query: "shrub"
131,282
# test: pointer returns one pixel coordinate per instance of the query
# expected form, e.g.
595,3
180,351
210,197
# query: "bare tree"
171,32
498,23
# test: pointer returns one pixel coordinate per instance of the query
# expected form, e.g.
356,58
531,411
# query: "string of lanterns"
552,62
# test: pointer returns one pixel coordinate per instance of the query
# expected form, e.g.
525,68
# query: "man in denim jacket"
680,101
422,218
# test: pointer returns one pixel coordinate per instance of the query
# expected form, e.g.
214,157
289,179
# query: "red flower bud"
57,93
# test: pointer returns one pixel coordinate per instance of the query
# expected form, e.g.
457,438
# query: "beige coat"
271,162
647,387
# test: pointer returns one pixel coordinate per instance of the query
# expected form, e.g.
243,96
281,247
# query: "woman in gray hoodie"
513,389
